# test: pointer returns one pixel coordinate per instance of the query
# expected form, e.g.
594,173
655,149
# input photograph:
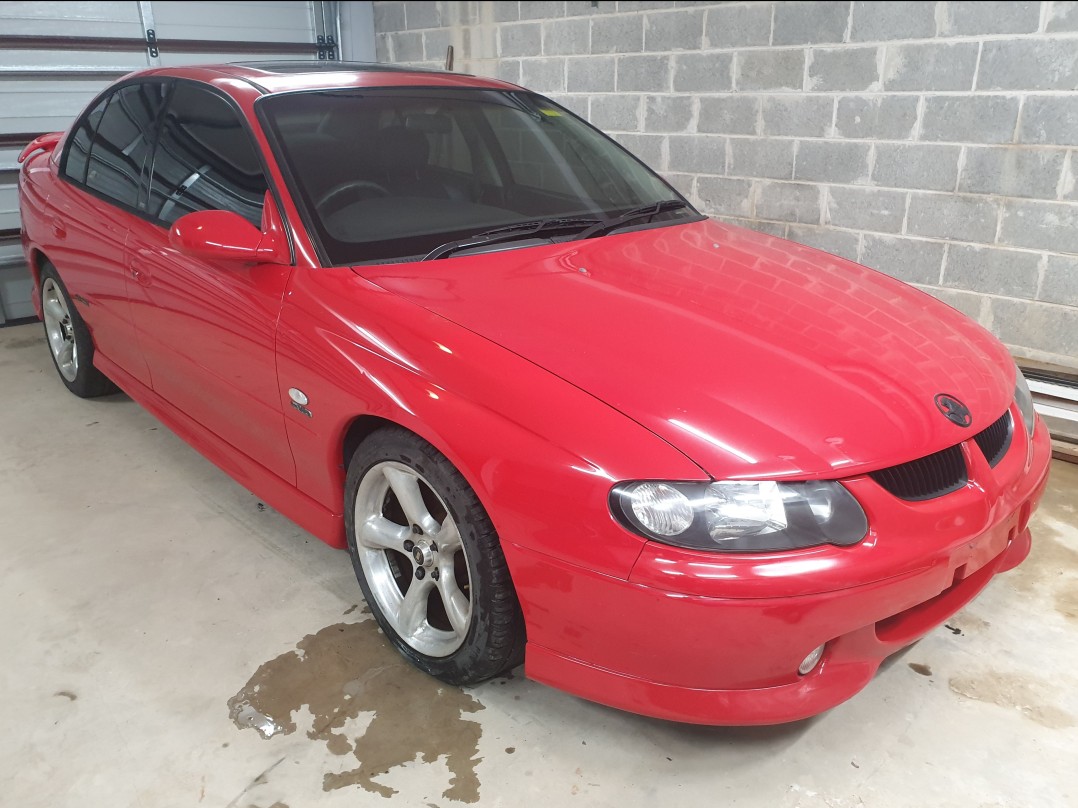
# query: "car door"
92,209
208,327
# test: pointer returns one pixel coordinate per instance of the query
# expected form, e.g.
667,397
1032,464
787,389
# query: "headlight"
740,516
1024,399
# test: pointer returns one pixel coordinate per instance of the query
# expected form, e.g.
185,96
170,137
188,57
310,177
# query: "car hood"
756,357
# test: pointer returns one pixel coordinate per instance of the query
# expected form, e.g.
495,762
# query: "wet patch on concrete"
349,669
1053,559
921,668
26,342
1014,692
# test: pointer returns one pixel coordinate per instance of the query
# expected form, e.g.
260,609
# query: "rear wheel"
429,561
69,340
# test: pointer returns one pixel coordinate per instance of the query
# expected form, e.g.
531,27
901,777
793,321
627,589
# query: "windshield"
392,174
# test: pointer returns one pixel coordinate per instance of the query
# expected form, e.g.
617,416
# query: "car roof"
288,76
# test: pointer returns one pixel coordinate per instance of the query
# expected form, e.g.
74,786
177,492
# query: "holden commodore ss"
555,415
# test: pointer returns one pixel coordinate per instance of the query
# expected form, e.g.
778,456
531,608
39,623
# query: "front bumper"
717,640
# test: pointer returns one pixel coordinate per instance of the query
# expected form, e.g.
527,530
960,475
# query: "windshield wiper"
511,232
607,225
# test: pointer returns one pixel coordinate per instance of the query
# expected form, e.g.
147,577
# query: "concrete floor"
146,597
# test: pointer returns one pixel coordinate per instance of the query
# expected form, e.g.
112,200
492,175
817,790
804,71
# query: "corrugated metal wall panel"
272,22
71,19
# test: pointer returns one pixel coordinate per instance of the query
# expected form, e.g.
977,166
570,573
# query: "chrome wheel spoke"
55,309
412,615
406,487
378,533
66,354
448,537
457,606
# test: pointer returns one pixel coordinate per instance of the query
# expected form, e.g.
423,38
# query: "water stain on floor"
348,669
25,342
1013,692
1049,570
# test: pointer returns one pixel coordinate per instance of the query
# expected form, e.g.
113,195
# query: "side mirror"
222,235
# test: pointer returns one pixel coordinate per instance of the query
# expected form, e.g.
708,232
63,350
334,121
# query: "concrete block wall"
935,141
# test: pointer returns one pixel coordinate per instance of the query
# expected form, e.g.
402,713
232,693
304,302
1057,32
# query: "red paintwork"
548,374
220,235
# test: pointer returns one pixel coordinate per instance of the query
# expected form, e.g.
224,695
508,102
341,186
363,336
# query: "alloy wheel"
413,558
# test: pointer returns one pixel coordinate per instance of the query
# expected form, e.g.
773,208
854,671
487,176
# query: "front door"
207,327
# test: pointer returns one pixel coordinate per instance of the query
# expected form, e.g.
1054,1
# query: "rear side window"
205,160
78,150
122,142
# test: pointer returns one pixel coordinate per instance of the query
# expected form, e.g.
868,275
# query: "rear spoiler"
40,143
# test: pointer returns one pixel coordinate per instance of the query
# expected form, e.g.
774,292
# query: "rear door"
208,327
93,207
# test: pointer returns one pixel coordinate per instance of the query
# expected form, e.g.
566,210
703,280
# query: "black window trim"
143,191
293,187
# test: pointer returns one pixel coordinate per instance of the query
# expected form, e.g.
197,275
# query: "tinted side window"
121,145
78,151
205,160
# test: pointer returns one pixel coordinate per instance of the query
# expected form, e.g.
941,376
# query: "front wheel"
429,561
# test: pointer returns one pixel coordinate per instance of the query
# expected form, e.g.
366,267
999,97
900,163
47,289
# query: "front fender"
540,454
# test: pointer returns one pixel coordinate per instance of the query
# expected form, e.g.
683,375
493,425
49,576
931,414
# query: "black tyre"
429,561
69,340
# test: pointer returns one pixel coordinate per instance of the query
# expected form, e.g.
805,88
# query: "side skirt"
282,496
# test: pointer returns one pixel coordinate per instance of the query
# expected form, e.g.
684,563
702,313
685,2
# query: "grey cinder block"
738,25
930,66
1012,171
1029,64
962,218
701,154
866,208
703,72
875,21
643,73
729,114
751,157
566,37
1050,119
983,17
1040,225
797,115
520,39
908,259
815,23
850,69
832,161
788,201
725,196
667,113
884,117
915,165
970,118
674,30
770,69
992,271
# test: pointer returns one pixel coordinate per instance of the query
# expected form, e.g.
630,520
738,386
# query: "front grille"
925,478
995,440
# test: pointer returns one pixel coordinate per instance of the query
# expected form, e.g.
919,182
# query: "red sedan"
554,413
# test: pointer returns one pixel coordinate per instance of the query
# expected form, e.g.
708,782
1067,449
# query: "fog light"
811,661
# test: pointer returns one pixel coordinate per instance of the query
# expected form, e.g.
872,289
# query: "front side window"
389,174
205,160
122,142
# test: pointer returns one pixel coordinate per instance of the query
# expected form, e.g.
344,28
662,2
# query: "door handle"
58,228
140,277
